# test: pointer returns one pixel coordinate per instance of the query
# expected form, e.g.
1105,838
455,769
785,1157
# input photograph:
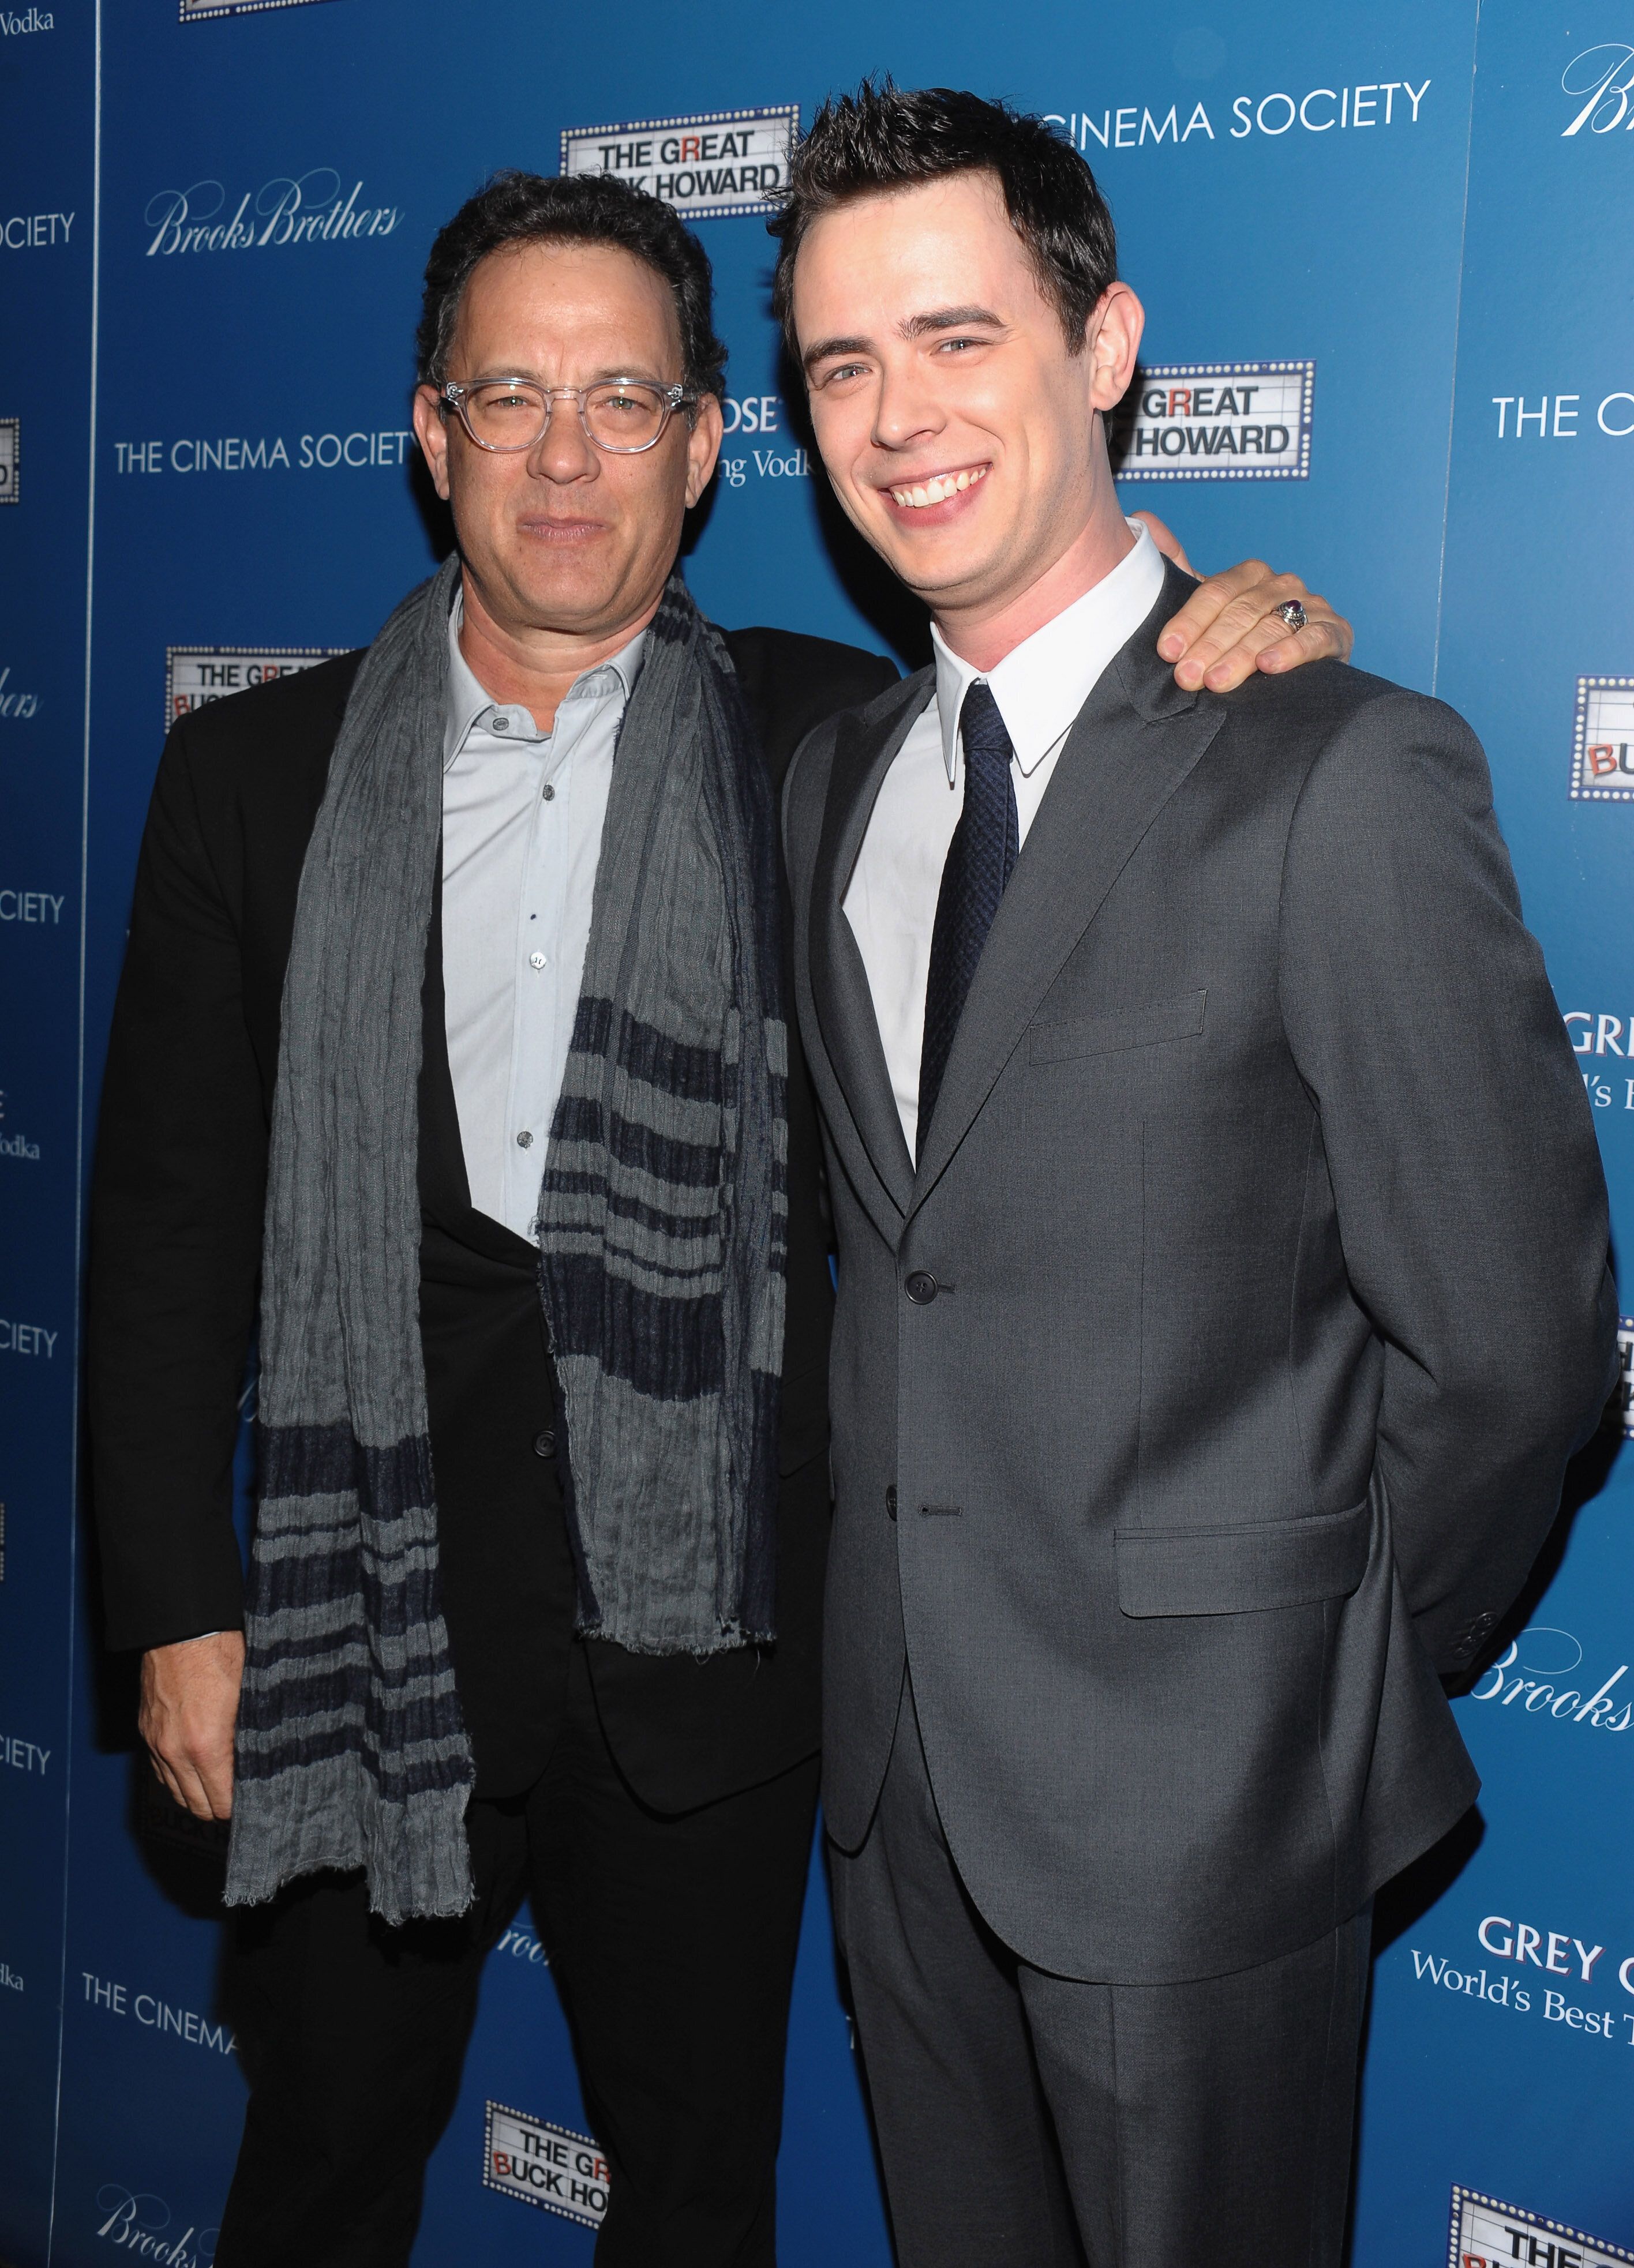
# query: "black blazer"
176,1230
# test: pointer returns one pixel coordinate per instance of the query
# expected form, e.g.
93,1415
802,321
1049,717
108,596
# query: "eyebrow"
914,327
632,371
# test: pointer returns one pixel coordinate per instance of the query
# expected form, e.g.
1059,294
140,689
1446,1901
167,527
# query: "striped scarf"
662,1258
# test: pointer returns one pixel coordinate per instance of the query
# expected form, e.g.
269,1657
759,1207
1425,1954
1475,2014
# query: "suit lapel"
863,752
1135,739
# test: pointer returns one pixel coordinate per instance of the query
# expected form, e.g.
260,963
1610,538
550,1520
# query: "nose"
906,408
564,451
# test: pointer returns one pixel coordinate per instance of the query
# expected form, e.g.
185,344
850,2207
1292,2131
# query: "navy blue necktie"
980,858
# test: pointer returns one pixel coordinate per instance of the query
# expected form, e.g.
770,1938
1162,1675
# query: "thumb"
1166,541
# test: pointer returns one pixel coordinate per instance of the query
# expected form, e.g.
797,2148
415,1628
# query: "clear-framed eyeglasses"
622,416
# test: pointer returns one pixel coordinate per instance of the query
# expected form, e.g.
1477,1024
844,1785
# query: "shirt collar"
469,700
1041,684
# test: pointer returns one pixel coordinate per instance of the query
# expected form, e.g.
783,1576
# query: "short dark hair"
518,207
887,137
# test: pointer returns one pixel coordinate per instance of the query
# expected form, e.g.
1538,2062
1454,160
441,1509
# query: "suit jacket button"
890,1502
921,1288
544,1444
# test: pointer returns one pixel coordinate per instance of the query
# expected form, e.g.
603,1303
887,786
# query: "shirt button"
921,1288
501,723
543,1444
524,1140
550,792
535,960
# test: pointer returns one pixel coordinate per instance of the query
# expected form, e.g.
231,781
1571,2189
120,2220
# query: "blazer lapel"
863,754
1135,739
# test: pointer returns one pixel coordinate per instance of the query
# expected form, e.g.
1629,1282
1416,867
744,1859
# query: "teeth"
939,490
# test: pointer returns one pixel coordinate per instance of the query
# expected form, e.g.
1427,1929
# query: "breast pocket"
1181,1018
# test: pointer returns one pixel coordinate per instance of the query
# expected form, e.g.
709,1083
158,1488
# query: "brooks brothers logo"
545,2165
310,208
1543,1670
516,1944
10,450
719,163
13,703
1215,421
1598,82
139,2222
1602,740
196,675
1391,103
1487,2234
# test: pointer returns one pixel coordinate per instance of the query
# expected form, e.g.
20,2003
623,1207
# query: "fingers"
1246,634
188,1718
1166,541
1199,617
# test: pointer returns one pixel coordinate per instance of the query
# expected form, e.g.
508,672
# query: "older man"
454,1010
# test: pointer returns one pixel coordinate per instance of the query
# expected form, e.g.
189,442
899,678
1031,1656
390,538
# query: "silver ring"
1291,613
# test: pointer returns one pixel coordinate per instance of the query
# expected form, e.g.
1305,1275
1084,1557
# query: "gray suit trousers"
1029,2121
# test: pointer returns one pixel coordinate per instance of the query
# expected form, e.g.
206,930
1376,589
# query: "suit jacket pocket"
1243,1569
1132,1027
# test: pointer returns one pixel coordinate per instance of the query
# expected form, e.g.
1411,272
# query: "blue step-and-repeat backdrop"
1387,257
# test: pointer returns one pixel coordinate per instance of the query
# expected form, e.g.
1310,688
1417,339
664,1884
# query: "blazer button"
544,1444
921,1288
891,1501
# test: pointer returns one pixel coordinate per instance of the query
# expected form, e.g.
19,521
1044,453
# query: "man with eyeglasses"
455,1009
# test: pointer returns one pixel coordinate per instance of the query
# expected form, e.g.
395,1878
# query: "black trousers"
671,1941
1031,2121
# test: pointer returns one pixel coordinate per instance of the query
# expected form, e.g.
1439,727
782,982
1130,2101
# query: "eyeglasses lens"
619,418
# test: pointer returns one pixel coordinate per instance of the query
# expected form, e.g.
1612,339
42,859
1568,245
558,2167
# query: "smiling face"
564,537
961,436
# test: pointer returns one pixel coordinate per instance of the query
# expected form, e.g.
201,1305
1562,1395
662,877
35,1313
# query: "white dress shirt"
522,832
891,901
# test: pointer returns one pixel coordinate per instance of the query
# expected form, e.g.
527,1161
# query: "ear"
703,446
431,431
1112,342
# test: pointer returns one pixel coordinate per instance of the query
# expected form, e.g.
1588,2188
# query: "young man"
469,1039
1223,1276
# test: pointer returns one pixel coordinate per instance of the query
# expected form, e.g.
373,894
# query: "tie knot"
987,742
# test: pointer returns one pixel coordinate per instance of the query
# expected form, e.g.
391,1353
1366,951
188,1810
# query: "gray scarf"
662,1234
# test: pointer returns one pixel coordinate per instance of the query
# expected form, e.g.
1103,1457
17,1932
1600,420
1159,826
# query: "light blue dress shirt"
523,813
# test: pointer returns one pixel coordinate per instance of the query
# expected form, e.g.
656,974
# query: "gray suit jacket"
1208,1388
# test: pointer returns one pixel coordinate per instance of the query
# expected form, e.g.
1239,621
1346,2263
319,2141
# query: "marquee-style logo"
708,167
309,208
1602,740
1215,421
194,11
196,675
1486,2234
1622,1392
10,450
544,2165
1600,79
